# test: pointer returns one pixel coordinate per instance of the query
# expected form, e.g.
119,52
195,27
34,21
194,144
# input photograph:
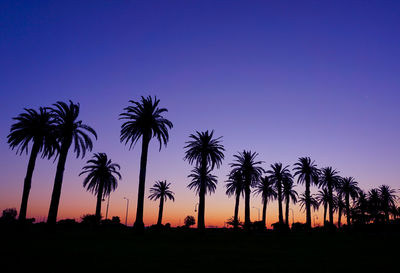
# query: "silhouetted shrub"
115,220
9,216
280,227
189,221
299,226
90,219
257,225
67,222
167,225
231,222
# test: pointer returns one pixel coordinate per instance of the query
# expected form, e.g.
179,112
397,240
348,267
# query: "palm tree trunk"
247,221
279,186
236,214
142,181
264,213
99,198
287,210
339,216
202,195
348,208
308,203
160,211
28,182
55,196
325,209
330,193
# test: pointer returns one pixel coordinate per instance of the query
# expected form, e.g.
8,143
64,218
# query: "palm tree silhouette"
202,184
289,193
278,175
144,120
101,178
266,187
340,207
374,204
161,190
323,198
348,188
206,152
330,179
388,199
362,205
69,130
246,163
38,128
305,200
235,186
308,174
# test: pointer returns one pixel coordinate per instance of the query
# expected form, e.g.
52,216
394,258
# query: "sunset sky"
283,78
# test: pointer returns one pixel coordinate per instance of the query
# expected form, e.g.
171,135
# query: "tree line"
50,132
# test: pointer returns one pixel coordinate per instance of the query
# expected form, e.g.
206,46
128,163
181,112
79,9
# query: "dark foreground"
38,249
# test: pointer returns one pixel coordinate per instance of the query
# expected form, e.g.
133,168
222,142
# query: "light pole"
258,212
292,216
127,206
195,207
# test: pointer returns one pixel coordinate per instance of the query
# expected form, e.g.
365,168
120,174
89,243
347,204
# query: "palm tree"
235,186
388,199
289,193
266,187
374,204
246,163
36,128
340,207
323,197
101,178
330,179
311,200
279,175
144,120
348,188
206,152
362,205
161,190
308,174
69,130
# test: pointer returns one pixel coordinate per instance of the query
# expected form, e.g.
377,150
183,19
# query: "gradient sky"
283,78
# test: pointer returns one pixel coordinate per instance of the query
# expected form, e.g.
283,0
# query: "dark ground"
83,249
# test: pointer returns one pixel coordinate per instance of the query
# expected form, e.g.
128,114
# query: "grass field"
37,249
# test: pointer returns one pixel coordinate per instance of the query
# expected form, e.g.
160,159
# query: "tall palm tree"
340,207
36,128
388,199
289,193
308,174
279,175
144,119
206,152
69,130
323,197
266,187
235,186
246,163
330,179
348,188
161,190
101,178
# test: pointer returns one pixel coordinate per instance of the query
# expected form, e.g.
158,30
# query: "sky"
283,78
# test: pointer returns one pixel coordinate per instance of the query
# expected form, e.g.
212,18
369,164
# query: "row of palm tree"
53,130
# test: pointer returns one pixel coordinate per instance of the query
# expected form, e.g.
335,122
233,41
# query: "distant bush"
280,227
189,221
231,222
9,216
67,222
115,220
299,226
90,219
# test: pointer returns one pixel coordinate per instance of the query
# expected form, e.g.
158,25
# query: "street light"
126,216
258,212
292,216
195,207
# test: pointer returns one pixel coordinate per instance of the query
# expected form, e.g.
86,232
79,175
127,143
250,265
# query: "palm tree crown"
313,202
388,199
35,127
161,189
204,149
234,184
266,188
101,170
144,119
210,181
